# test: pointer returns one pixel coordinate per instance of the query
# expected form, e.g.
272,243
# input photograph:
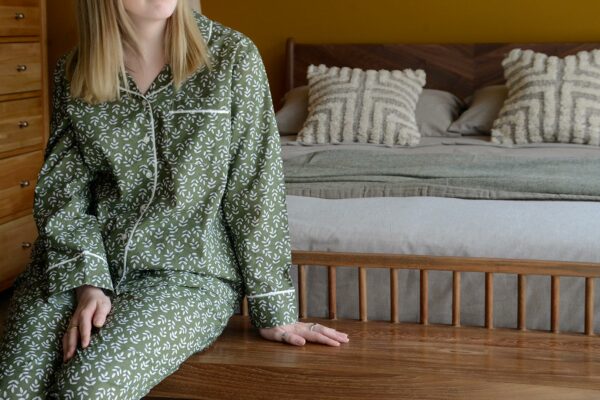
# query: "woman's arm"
254,203
71,234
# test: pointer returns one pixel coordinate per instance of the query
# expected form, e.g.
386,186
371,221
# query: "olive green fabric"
170,189
148,334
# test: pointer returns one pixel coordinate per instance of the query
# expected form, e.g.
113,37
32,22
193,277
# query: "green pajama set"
174,204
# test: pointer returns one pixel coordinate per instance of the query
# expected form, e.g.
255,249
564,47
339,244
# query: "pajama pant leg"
147,335
31,349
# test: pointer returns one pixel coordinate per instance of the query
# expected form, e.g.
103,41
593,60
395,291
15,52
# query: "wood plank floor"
392,361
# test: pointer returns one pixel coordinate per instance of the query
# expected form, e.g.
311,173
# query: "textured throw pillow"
436,109
350,105
550,99
484,106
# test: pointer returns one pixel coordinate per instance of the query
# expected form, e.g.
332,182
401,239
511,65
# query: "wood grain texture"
391,361
457,68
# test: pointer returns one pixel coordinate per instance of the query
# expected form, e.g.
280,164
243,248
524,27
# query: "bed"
497,236
445,293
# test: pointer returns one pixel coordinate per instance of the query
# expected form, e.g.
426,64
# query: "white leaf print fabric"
175,185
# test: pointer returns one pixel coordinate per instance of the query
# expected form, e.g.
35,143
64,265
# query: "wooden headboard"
457,68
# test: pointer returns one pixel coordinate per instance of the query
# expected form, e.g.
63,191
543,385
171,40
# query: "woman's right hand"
92,307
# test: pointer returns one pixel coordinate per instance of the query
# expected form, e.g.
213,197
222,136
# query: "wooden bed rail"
394,262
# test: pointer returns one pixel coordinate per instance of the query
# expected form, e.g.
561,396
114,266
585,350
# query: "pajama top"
170,185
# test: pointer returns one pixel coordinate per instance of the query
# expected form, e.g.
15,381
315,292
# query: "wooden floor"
392,361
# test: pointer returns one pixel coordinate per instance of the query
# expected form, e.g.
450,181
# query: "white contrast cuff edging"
270,293
83,253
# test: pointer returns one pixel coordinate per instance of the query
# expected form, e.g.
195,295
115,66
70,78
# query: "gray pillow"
294,111
550,99
436,109
483,109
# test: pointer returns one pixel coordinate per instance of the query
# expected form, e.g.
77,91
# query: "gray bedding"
470,169
442,226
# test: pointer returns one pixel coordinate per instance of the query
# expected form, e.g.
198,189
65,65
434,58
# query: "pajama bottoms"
150,330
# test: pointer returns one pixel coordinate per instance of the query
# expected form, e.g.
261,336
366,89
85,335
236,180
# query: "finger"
71,337
294,339
85,324
313,336
101,312
332,333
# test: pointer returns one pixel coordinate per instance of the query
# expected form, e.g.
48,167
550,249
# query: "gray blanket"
352,173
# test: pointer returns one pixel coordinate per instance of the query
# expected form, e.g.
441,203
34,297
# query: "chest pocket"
198,123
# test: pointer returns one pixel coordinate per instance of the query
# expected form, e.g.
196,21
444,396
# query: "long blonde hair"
105,29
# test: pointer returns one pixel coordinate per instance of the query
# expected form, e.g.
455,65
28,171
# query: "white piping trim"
198,111
147,205
83,253
270,293
210,32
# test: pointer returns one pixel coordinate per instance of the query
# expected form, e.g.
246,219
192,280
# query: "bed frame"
393,359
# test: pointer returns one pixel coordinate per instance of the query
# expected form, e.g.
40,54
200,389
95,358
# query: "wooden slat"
245,306
362,286
589,306
522,303
456,298
555,305
464,264
332,292
302,289
489,300
394,317
424,294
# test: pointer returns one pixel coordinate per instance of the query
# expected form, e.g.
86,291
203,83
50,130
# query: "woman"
160,203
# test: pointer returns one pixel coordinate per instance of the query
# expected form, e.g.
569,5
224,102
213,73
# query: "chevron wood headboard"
457,68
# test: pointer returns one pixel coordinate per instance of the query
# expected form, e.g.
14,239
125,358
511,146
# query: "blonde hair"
105,29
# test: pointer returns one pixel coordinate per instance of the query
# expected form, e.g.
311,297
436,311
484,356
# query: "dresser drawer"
20,67
20,17
18,177
16,241
21,124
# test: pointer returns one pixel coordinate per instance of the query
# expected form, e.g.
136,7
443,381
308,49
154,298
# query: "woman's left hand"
298,333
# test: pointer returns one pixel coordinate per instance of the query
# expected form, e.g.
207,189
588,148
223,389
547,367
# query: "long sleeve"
70,232
254,203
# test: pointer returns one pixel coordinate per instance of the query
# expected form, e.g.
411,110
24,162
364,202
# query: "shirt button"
146,139
149,174
124,236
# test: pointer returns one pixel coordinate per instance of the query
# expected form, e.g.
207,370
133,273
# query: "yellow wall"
270,22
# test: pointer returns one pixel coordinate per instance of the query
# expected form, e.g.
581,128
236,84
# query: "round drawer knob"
19,15
24,183
23,124
21,67
26,245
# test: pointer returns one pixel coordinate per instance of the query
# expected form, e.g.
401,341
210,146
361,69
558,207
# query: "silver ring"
312,326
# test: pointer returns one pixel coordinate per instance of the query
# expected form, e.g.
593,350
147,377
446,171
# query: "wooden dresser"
24,122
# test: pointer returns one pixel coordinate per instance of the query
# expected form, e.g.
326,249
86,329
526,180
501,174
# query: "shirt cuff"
85,268
268,310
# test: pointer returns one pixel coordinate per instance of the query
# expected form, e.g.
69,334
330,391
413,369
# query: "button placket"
151,173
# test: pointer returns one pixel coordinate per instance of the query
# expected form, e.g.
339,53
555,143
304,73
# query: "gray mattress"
545,230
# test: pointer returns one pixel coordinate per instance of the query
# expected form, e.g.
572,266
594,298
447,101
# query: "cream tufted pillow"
550,99
348,105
